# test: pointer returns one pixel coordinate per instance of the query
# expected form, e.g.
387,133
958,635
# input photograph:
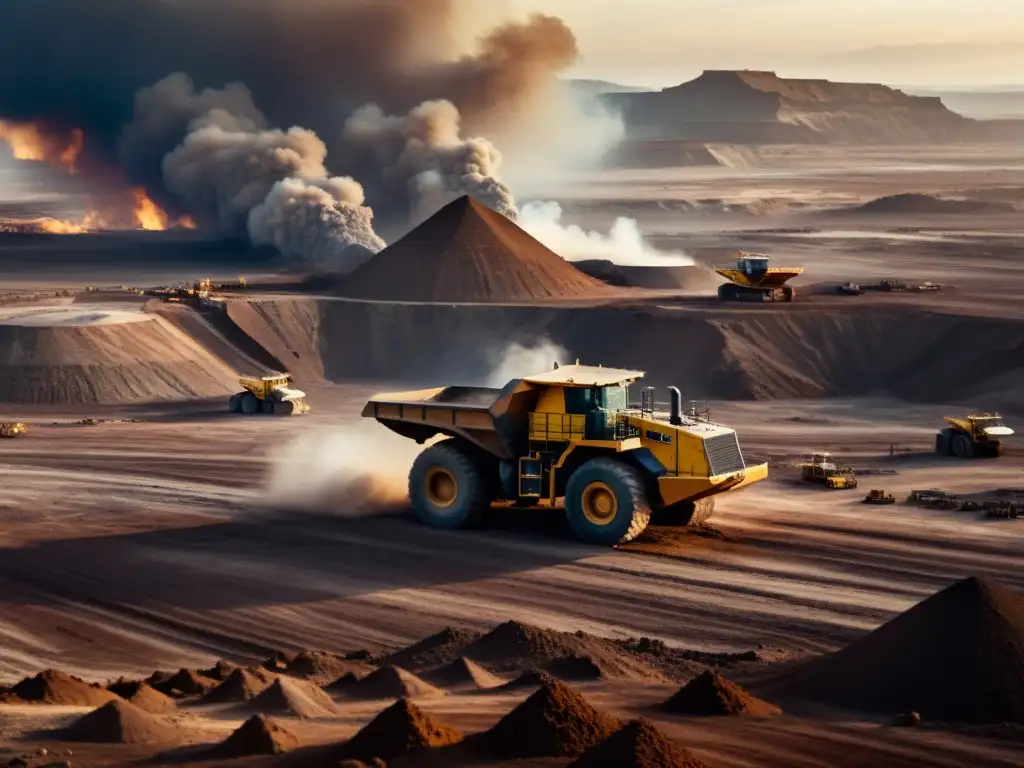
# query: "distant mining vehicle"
973,436
268,394
12,429
569,434
823,470
879,497
752,278
849,289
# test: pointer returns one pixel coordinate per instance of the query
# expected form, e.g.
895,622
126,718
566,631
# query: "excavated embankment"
917,356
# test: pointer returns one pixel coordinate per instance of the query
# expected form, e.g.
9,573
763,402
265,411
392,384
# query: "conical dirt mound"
240,685
957,656
294,697
468,253
553,722
321,666
464,672
219,671
119,722
55,687
709,694
440,648
391,683
185,681
402,727
638,744
259,735
532,678
143,696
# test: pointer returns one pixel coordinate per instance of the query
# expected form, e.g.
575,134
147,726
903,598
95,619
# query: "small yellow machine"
752,278
268,394
823,470
879,497
566,434
12,429
976,435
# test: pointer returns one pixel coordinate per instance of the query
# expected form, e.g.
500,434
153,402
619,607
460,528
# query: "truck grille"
723,452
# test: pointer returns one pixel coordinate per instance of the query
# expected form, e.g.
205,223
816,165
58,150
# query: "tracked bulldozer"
973,436
570,436
752,278
271,394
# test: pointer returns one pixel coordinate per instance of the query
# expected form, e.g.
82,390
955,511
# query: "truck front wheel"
606,502
447,488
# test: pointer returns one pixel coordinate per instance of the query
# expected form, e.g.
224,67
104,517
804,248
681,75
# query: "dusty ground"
161,543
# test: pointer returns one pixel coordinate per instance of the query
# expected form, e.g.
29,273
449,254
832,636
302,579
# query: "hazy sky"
660,42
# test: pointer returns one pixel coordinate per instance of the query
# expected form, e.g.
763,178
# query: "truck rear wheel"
606,502
447,488
692,513
250,404
962,446
235,404
943,441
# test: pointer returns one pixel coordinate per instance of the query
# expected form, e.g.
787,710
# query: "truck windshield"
614,398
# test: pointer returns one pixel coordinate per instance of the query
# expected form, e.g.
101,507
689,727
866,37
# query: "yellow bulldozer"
12,429
976,435
823,470
752,278
566,435
271,394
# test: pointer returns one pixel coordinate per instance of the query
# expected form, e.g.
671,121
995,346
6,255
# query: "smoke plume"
624,244
263,66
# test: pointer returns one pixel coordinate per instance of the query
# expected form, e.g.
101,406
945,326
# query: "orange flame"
30,142
151,217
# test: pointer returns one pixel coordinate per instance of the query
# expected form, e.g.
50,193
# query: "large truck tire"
250,404
962,446
692,513
447,488
235,403
943,442
788,293
606,502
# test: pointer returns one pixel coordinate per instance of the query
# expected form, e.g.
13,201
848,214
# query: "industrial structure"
568,434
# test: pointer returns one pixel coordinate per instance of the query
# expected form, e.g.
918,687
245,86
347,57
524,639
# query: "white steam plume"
623,245
423,155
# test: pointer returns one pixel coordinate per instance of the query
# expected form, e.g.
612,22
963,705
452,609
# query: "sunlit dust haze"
624,244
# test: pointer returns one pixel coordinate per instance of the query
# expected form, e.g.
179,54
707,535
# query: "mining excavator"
976,435
268,394
752,278
566,435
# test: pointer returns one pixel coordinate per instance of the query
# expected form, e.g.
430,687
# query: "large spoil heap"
467,253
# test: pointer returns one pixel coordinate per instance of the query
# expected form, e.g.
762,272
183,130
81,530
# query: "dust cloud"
516,360
624,244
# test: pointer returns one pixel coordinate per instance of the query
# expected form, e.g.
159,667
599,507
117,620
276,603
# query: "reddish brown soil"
259,735
322,666
464,672
241,685
143,696
119,722
294,697
638,744
219,671
957,656
55,687
533,678
440,648
184,681
555,721
710,694
468,253
390,682
402,727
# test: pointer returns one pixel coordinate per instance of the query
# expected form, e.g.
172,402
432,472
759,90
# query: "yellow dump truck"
976,435
752,278
823,470
568,434
268,394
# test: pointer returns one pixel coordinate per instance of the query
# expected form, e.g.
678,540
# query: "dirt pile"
240,685
440,648
532,678
468,253
119,722
294,697
553,722
389,682
59,688
259,735
638,744
184,682
401,728
322,666
957,656
710,695
219,671
143,696
916,203
70,357
464,672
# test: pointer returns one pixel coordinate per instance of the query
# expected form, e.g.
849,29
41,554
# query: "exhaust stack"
675,417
